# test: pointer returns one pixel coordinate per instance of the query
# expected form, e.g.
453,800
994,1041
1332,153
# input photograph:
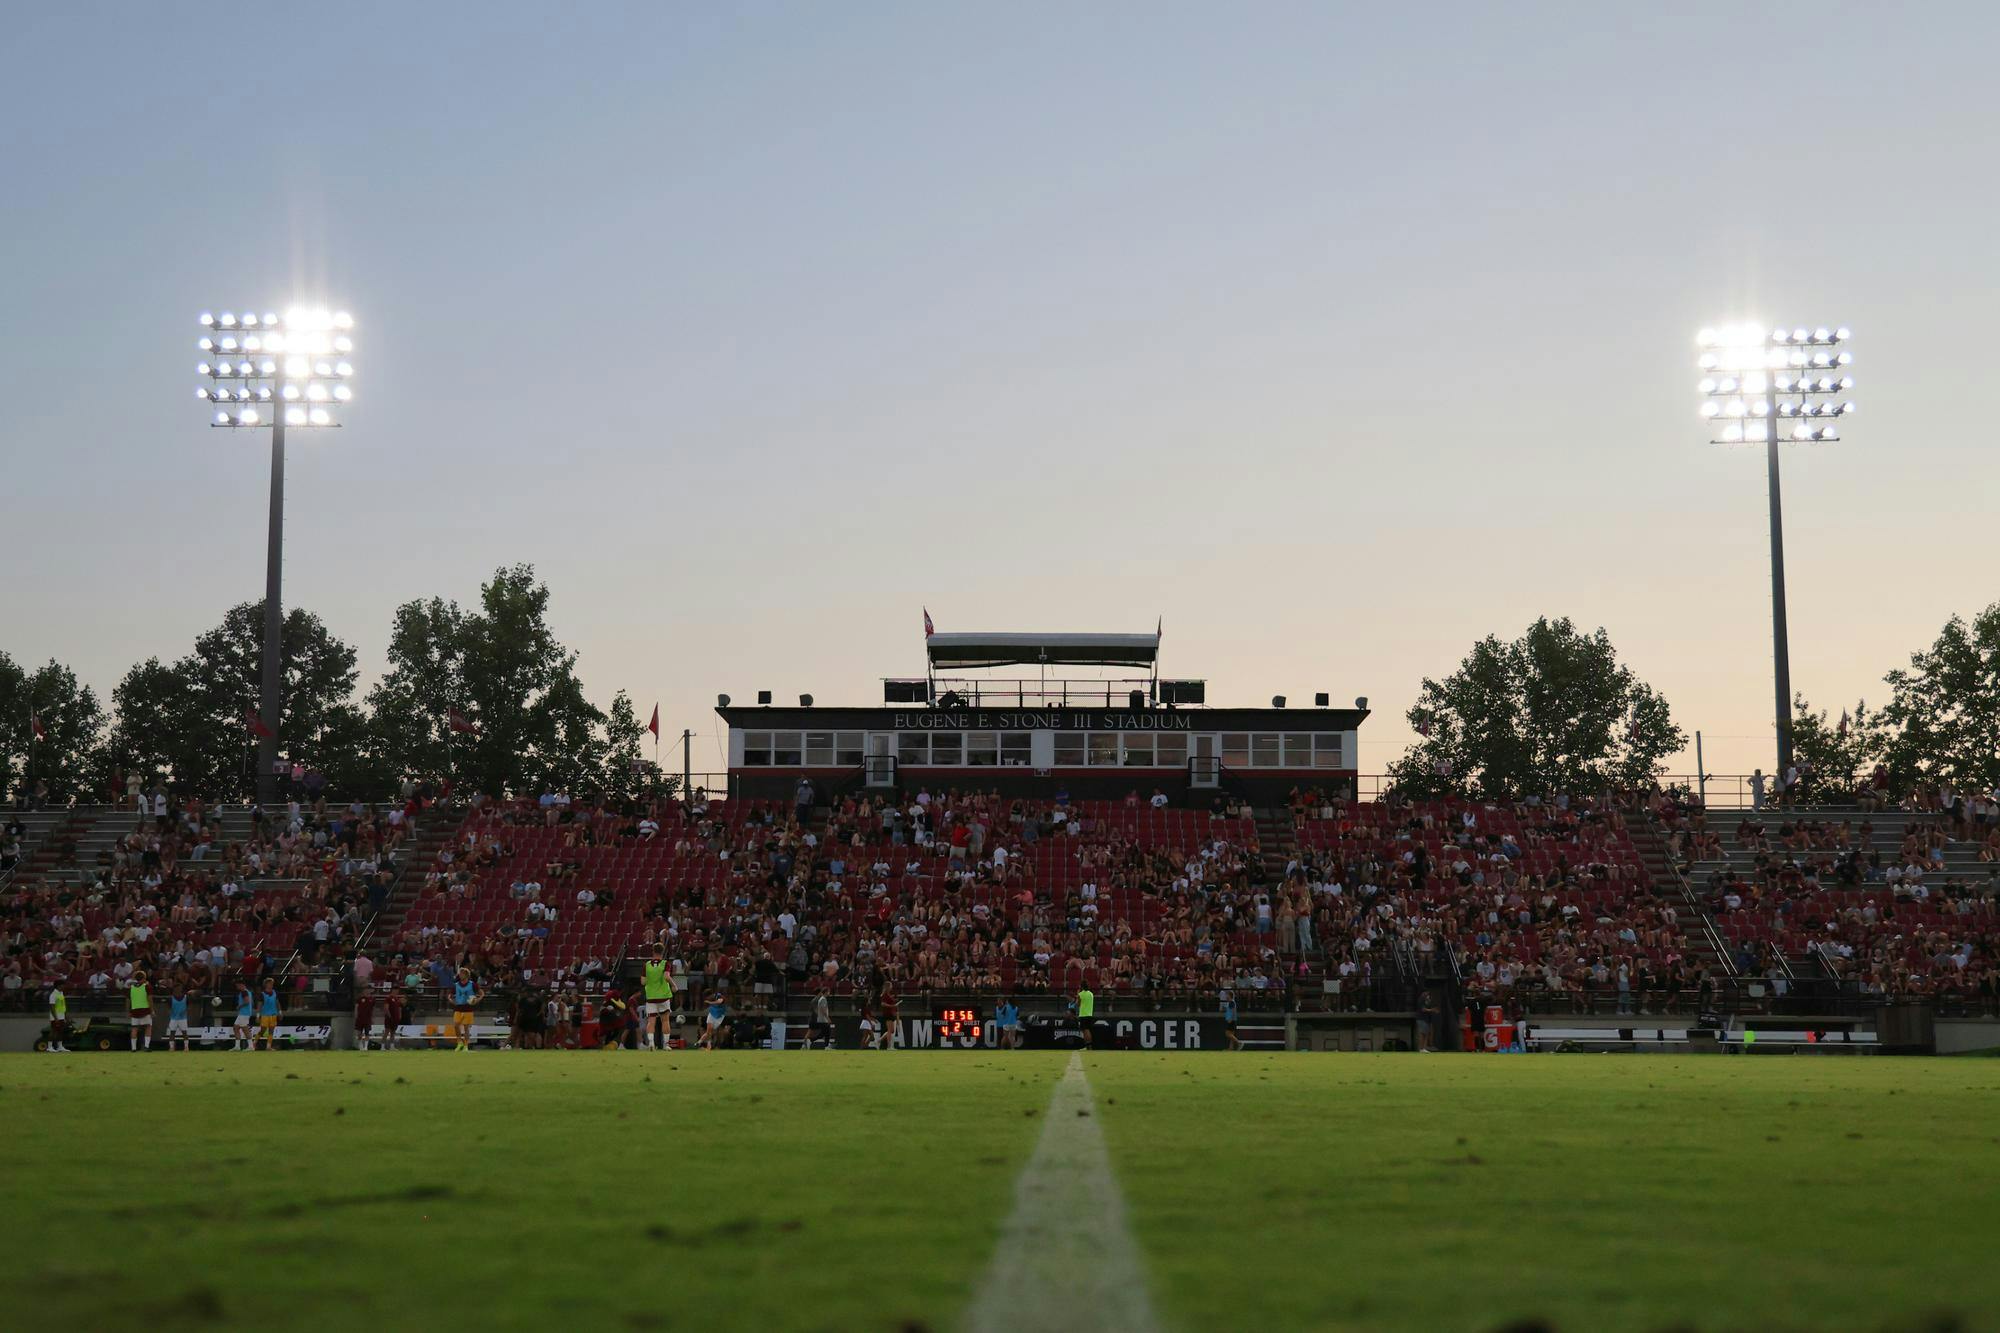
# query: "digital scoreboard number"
957,1023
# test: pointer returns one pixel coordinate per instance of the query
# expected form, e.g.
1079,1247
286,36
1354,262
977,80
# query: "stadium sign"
1165,1033
1067,719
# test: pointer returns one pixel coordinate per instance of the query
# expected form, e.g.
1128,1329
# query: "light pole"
1765,386
267,370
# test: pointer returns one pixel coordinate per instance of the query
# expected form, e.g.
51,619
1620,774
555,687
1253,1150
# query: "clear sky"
1336,335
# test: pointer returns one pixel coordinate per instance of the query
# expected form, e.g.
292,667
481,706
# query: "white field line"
1066,1261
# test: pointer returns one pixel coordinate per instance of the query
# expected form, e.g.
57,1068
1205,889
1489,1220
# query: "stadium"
368,960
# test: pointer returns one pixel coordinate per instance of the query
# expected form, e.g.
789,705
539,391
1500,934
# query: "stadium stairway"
1704,941
44,833
438,828
1276,841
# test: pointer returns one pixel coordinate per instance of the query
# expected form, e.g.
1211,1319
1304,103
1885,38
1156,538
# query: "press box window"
913,747
1236,749
757,749
1016,751
1263,751
1328,751
982,749
819,749
847,748
948,749
1138,752
786,749
1298,751
1170,751
1069,750
1104,749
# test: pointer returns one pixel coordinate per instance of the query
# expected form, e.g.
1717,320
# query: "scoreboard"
955,1023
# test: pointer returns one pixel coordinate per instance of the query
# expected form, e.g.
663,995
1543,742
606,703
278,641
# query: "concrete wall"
1966,1034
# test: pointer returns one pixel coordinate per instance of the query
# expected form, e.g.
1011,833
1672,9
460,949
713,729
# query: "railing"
969,692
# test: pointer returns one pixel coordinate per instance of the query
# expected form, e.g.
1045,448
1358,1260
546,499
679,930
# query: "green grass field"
865,1191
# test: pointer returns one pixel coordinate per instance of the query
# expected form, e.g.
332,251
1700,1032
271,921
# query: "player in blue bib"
177,1019
244,1007
1007,1018
464,995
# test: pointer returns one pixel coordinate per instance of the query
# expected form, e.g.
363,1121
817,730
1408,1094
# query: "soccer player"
464,995
718,1014
177,1019
58,1018
392,1017
889,1005
140,1005
268,1006
1229,1021
611,1016
244,1007
869,1028
659,1011
1086,1014
364,1017
1007,1018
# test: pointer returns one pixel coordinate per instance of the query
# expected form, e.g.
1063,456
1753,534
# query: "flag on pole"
1423,724
460,724
257,727
654,725
35,725
929,629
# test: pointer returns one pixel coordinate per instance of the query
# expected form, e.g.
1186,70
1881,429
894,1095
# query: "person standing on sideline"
58,1018
1007,1018
658,1015
1086,1014
245,1006
177,1019
890,1008
268,1007
139,1004
1229,1021
364,1016
821,1030
464,995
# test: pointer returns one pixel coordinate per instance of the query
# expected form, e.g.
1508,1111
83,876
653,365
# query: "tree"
1943,715
1839,752
623,776
189,721
71,721
501,669
1551,711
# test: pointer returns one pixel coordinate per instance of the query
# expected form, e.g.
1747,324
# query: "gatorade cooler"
1495,1016
1492,1037
1465,1029
1506,1037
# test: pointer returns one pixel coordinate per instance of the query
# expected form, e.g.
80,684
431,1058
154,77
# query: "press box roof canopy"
970,651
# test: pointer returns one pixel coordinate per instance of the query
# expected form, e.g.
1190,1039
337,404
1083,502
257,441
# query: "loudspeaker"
1320,700
764,698
1277,701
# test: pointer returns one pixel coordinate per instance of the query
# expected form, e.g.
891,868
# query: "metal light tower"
263,370
1765,386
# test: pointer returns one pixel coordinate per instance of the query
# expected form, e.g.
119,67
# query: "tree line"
481,696
487,698
1554,711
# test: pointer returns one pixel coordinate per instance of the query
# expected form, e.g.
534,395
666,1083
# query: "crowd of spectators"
172,892
1539,899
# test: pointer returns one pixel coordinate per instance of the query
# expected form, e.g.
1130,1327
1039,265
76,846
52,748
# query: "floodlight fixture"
290,365
1749,374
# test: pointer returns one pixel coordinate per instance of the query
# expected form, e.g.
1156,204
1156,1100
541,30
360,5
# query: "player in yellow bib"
657,1016
1086,1014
